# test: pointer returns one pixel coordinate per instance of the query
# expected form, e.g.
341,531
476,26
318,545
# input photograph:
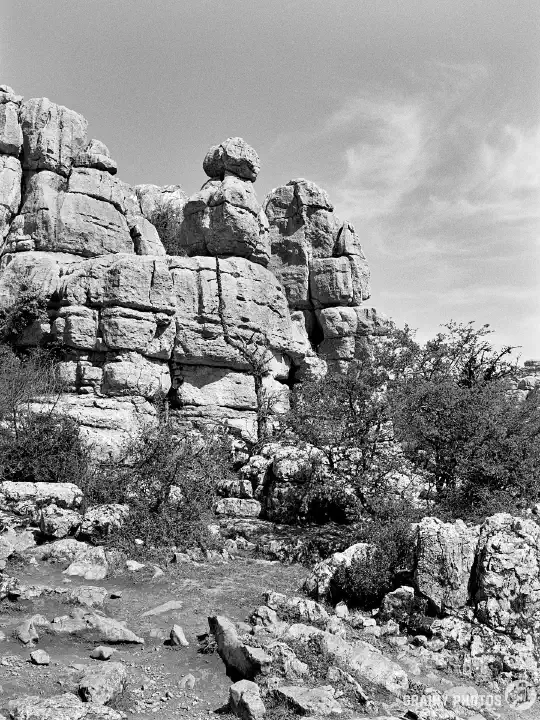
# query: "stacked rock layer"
152,292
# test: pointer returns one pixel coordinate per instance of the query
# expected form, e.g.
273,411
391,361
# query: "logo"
520,695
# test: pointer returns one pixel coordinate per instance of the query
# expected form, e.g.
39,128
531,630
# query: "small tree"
348,418
458,421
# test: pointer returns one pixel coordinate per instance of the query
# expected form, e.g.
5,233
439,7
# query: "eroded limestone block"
53,136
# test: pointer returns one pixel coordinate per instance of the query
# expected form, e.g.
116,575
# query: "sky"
421,118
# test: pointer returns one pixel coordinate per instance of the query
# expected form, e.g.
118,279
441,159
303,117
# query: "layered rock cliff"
153,292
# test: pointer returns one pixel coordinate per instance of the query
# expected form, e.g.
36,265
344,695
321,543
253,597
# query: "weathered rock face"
224,219
234,156
151,292
321,264
53,136
508,575
445,556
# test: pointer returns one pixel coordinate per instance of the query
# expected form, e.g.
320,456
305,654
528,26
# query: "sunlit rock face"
156,293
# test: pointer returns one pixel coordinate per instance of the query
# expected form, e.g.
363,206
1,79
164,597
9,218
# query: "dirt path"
156,670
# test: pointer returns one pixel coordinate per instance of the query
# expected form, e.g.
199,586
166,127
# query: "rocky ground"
87,633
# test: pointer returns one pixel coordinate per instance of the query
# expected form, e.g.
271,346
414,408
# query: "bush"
168,479
364,584
37,444
29,307
46,448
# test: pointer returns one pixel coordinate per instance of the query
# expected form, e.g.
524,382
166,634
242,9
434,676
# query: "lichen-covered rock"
445,555
398,604
53,136
508,575
225,219
58,522
235,156
99,520
28,497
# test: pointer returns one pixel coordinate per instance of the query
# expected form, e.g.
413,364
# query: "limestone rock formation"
320,261
234,156
445,557
225,218
152,293
508,575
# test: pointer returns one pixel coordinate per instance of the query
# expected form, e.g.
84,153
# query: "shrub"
364,583
46,448
37,444
168,478
29,307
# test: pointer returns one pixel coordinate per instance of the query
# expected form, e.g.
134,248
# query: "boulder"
177,637
238,507
363,661
28,498
99,627
317,701
101,685
445,554
99,520
59,707
84,560
225,219
397,605
234,156
241,661
245,700
58,522
507,579
96,155
39,657
53,136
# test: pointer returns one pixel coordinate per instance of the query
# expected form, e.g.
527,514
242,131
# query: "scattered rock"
39,657
102,652
177,637
310,701
103,684
245,700
59,707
